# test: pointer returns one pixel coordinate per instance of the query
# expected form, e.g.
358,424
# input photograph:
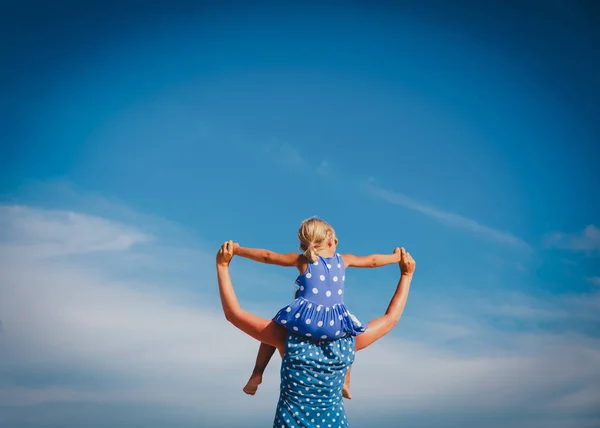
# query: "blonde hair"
312,233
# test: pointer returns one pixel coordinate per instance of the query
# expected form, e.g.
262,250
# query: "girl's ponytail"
310,253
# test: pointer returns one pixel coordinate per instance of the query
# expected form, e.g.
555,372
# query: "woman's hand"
407,263
225,253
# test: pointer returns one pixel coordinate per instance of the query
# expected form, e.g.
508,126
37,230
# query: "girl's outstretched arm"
261,329
372,261
267,256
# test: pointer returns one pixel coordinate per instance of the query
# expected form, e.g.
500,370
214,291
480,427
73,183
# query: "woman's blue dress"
312,377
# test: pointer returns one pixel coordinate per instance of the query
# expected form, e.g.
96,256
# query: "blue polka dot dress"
312,377
319,311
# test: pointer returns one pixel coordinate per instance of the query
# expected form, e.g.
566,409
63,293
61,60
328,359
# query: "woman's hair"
312,233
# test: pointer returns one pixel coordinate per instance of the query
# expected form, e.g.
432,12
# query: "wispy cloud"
451,219
588,240
65,232
120,333
290,157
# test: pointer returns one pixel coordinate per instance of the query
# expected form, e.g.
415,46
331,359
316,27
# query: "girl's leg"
265,352
346,388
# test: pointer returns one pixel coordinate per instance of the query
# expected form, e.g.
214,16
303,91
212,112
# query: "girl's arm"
268,257
372,261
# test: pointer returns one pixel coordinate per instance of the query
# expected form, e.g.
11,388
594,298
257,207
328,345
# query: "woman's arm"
372,261
383,325
268,257
259,328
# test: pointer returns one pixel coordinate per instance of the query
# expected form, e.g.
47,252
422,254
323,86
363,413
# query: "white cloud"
588,240
55,233
157,343
451,219
60,314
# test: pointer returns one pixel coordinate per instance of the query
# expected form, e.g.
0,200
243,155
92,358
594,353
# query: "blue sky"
138,138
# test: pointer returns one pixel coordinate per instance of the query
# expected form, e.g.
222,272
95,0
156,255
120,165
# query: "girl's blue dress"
319,311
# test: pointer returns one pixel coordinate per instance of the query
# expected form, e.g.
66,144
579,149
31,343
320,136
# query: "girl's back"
319,311
323,281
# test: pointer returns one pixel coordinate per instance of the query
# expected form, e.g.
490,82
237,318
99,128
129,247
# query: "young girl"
318,311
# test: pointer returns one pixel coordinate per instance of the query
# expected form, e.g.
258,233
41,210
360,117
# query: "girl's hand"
225,253
407,263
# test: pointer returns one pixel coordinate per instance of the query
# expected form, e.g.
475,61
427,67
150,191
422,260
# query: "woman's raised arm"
259,328
381,326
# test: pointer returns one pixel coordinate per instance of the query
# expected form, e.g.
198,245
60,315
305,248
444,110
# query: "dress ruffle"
319,322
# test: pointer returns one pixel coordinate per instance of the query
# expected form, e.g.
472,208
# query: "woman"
312,372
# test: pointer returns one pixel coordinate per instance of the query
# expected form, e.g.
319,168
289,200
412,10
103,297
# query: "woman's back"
312,377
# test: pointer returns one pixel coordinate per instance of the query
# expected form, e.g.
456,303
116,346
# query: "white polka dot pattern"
319,309
311,388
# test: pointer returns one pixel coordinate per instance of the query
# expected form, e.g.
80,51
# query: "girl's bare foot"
346,391
252,385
